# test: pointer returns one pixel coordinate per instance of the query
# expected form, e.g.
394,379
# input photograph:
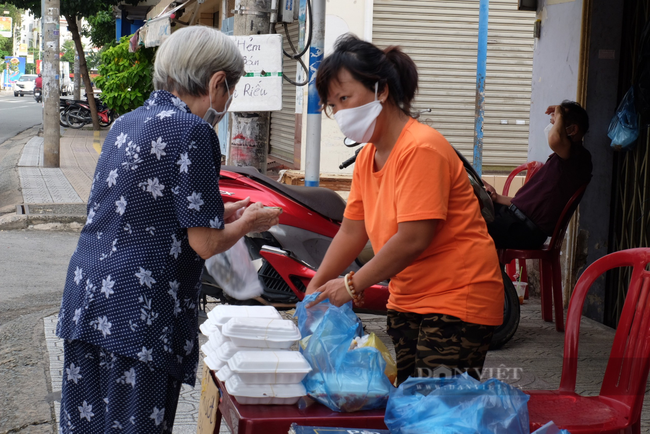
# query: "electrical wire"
298,56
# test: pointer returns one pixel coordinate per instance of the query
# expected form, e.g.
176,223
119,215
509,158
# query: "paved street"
17,114
33,266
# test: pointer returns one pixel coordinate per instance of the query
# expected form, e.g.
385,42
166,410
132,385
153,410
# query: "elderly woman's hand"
260,218
234,210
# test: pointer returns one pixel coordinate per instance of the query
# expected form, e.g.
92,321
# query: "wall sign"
260,89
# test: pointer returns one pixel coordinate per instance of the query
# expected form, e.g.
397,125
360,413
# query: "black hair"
369,64
575,114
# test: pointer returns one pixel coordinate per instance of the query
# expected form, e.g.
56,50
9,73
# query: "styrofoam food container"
264,394
213,333
229,349
224,373
208,326
224,312
261,332
213,363
269,367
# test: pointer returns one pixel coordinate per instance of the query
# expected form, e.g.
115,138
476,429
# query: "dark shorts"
103,393
508,232
435,345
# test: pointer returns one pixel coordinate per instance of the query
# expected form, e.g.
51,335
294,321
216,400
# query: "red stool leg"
546,289
557,293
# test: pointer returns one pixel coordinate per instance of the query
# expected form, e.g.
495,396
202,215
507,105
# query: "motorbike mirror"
350,143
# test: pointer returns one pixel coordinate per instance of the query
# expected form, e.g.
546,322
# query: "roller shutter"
283,122
441,37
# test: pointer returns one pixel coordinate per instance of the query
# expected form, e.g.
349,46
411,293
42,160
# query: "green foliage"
30,68
7,44
102,28
125,78
69,52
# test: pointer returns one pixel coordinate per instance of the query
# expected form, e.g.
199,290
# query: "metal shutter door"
283,122
441,37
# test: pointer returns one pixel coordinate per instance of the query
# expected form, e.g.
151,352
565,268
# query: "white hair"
187,60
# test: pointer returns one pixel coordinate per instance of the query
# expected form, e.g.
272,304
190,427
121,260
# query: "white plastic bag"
235,273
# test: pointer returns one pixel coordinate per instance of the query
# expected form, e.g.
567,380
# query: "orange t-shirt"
423,179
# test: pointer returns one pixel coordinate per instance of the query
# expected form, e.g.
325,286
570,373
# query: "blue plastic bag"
551,428
624,127
458,404
342,379
309,319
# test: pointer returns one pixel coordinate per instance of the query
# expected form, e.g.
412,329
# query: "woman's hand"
234,210
335,291
261,219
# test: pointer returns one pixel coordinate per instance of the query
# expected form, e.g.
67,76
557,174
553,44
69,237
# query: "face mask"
359,123
212,116
547,131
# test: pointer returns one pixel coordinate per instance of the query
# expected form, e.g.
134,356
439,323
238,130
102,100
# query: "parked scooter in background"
78,114
288,255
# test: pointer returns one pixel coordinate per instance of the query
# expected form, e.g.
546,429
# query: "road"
17,114
33,265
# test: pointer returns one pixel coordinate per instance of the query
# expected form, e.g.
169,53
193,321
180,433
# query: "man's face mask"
212,116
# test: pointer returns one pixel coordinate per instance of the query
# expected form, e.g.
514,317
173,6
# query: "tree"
125,78
7,44
101,29
68,51
71,10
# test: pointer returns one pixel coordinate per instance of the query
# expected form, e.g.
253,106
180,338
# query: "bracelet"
357,296
347,286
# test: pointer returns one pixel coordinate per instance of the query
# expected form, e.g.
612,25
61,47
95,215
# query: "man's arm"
496,197
558,139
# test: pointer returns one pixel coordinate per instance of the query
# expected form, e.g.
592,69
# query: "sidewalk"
531,360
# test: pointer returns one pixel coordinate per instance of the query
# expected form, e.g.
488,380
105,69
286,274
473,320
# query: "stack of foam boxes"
249,349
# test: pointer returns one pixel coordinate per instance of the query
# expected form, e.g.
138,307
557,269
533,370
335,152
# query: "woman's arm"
208,242
410,241
346,246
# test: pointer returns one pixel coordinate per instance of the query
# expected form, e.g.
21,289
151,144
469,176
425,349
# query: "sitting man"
38,83
527,219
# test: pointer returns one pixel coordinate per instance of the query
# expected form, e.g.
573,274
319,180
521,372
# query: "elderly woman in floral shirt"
129,314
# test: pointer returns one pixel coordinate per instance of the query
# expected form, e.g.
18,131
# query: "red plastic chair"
618,407
549,263
531,169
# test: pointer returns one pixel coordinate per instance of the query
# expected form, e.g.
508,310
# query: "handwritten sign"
260,89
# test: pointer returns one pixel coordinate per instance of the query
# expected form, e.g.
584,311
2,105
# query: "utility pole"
77,71
51,129
481,66
250,131
314,118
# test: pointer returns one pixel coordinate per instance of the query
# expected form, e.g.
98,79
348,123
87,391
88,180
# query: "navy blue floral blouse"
132,286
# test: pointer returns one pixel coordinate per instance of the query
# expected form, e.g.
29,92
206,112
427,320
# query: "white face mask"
212,116
547,131
359,123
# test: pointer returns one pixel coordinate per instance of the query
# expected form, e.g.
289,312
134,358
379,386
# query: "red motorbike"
288,255
78,114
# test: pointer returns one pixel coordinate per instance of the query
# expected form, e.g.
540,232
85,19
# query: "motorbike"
78,114
38,94
288,255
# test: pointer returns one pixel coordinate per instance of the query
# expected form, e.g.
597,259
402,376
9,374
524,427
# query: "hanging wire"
298,56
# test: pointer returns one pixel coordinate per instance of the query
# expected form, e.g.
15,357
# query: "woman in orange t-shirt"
412,199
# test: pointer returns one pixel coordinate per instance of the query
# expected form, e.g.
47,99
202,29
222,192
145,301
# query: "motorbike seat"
318,199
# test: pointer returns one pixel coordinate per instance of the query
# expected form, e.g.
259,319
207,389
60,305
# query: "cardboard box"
209,404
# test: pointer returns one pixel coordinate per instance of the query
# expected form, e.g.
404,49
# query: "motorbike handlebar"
350,161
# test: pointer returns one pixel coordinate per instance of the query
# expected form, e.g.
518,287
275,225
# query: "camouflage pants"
436,345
